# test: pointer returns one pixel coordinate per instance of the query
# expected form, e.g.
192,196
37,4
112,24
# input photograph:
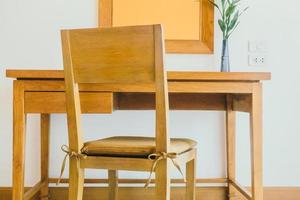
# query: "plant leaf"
222,25
230,10
236,1
245,9
223,2
229,34
213,3
233,21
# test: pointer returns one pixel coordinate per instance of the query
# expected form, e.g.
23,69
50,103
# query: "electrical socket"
257,60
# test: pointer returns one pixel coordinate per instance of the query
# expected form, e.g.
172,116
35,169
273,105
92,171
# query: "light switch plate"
257,46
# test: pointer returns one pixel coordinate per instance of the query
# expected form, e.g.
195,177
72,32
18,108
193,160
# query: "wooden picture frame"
203,44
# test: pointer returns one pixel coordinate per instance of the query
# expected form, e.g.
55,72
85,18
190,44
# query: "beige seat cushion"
133,146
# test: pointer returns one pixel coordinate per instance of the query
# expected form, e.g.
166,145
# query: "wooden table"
42,91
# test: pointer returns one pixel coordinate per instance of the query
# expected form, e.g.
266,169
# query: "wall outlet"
257,60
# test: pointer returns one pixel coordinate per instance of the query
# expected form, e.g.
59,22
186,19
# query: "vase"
225,65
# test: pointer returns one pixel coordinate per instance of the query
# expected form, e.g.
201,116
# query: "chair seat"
133,146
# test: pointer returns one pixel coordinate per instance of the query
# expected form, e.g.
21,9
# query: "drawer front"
55,102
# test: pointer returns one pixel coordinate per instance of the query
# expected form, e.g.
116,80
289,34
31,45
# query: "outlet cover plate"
257,60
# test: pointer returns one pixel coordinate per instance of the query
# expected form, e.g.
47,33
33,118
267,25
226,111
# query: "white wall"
29,38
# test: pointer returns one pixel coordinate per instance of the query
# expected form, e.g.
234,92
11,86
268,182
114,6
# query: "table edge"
172,75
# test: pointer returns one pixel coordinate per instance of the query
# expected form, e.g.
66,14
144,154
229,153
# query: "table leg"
230,143
19,124
45,130
191,171
256,143
113,184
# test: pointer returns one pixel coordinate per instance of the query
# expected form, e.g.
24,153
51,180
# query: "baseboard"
137,193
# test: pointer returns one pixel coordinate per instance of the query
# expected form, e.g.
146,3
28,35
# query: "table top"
172,75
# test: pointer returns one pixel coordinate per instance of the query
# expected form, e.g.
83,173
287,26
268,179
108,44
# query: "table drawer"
54,102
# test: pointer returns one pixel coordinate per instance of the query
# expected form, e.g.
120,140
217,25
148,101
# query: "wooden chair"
123,55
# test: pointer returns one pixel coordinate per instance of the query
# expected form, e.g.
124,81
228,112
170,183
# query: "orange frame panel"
205,43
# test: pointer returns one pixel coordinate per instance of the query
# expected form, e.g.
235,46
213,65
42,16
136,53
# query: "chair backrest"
115,55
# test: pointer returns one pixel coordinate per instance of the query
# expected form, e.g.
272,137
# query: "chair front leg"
162,181
76,181
191,179
113,184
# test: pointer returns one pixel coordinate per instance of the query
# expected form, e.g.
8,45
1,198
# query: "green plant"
230,15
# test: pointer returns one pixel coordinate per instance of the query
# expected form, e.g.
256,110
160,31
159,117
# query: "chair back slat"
113,55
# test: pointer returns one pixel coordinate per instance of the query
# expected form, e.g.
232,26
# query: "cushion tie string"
162,156
70,154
